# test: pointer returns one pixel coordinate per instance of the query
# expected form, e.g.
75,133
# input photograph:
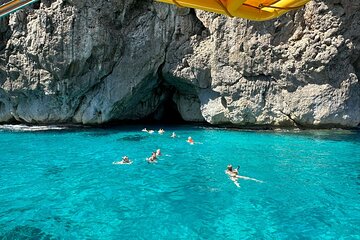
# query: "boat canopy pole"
13,6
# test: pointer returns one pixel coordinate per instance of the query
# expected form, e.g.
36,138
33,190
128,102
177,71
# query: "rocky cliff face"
98,61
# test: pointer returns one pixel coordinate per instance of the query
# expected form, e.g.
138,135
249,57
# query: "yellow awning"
258,10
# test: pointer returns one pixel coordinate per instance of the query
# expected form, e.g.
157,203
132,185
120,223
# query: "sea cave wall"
93,62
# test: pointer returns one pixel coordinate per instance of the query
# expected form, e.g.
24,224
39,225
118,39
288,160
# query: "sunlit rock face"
94,62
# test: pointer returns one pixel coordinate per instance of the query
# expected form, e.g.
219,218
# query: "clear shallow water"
62,184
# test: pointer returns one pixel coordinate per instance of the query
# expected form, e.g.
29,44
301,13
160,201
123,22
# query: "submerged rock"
133,138
93,62
26,232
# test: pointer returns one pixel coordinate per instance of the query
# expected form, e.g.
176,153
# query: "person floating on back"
190,140
125,160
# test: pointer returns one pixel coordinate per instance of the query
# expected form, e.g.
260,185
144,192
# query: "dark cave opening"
167,112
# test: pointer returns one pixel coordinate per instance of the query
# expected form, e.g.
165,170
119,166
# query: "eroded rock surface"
98,61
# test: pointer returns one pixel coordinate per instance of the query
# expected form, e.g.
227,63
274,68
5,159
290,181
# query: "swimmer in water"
161,131
144,130
152,159
234,175
190,140
158,152
151,131
125,160
173,135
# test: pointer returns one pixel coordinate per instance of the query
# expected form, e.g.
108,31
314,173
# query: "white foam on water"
26,128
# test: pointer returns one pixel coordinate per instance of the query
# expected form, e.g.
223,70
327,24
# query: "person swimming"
125,160
152,159
173,135
232,172
158,152
151,131
234,175
190,140
144,130
161,131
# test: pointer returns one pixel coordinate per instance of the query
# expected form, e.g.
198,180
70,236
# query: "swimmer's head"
189,138
229,167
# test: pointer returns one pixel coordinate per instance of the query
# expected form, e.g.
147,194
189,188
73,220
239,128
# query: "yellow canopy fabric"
257,10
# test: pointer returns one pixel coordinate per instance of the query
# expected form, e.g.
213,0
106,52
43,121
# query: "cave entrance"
167,112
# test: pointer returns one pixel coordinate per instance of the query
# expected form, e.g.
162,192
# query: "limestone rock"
299,70
93,62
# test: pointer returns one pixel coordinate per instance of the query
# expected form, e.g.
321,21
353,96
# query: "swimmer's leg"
248,178
234,179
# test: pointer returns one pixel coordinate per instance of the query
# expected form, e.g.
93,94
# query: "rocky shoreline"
95,62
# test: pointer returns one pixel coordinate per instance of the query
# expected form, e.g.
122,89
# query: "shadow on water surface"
53,171
337,135
334,134
101,133
26,233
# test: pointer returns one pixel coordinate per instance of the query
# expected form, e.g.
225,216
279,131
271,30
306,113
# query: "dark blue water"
62,184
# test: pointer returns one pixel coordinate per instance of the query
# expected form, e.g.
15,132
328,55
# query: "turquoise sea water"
61,184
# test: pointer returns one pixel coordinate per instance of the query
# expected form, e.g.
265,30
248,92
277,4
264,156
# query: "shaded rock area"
94,62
